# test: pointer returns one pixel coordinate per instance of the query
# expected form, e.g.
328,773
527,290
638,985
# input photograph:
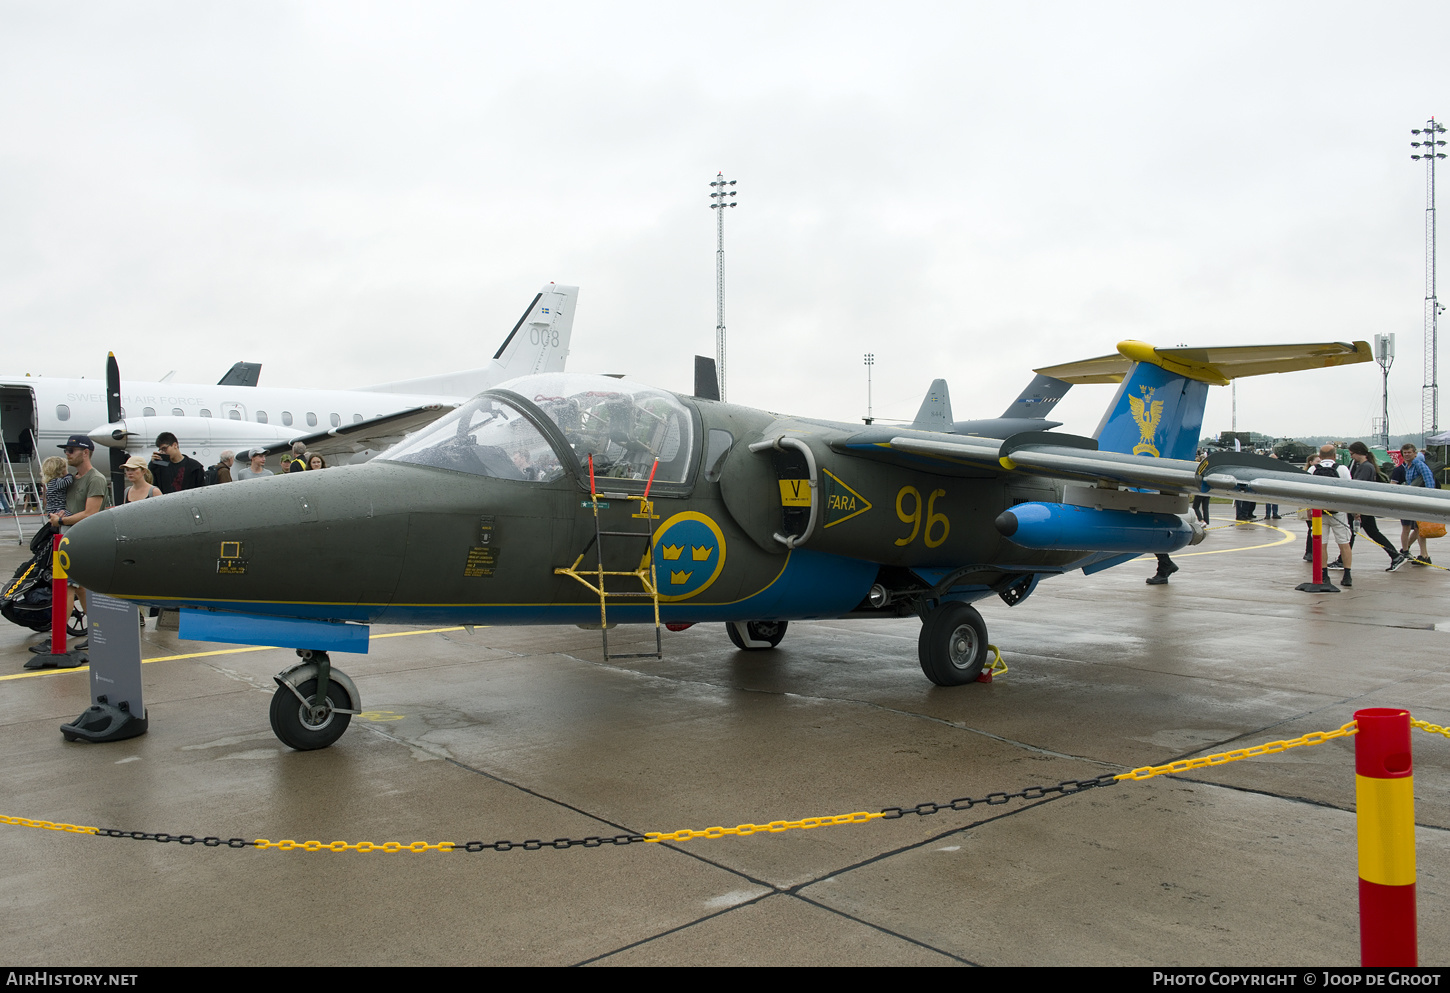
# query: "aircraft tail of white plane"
539,342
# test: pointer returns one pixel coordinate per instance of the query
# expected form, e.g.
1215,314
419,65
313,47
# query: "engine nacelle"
1064,526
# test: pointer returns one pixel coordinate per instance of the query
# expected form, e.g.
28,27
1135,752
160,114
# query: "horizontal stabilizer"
1216,366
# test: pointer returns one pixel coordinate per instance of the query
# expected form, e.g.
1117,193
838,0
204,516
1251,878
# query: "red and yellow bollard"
59,612
1384,791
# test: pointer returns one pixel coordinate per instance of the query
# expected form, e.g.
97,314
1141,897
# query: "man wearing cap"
86,496
256,470
172,470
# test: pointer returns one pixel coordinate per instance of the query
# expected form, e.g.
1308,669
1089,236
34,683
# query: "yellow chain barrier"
774,827
687,834
1432,728
1238,754
48,825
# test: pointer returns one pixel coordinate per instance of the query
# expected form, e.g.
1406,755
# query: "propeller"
113,414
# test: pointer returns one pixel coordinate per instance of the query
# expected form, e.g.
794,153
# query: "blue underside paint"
813,585
283,632
1107,561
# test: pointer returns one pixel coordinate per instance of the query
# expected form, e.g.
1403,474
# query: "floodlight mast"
1430,144
870,359
722,194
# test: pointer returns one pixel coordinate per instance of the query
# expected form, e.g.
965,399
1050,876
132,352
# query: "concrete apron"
518,733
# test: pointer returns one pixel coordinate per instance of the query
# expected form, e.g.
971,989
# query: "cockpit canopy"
625,427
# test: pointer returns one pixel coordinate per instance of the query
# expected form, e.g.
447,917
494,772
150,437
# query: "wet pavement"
523,733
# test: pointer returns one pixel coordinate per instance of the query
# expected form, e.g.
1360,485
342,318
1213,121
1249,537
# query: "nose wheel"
953,645
313,705
755,636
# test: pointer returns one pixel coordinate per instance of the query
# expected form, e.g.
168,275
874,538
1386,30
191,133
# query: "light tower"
1430,144
870,361
722,194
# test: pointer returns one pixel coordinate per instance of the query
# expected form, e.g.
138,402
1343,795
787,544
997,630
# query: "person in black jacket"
1366,468
172,470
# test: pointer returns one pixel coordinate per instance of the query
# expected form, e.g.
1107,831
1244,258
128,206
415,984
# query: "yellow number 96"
914,517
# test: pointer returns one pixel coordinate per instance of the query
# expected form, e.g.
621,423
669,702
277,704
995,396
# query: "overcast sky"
356,192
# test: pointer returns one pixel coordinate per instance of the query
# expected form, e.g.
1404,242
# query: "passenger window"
62,412
178,412
336,421
287,417
357,418
311,419
205,412
148,411
261,417
234,415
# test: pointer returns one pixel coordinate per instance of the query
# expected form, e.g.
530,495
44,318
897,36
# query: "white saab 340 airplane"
38,414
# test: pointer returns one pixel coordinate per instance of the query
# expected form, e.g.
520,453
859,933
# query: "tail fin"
707,380
539,342
1038,399
936,409
1159,407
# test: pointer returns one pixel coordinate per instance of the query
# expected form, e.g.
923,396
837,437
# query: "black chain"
1065,787
996,799
182,839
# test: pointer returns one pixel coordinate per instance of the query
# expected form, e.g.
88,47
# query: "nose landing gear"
755,636
313,704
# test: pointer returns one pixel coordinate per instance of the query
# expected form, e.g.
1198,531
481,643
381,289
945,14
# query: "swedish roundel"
689,554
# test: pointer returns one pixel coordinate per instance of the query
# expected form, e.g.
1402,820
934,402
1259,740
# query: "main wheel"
298,728
75,624
953,645
756,636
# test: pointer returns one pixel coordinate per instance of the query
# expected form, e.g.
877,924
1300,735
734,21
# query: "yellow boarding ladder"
595,578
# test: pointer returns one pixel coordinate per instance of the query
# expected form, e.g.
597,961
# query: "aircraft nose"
90,553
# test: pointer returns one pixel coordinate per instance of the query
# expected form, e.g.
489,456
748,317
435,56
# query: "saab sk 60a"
577,499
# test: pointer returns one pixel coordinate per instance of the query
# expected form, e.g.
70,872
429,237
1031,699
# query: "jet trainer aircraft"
578,499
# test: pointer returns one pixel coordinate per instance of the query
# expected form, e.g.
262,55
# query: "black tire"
75,624
758,631
289,717
953,645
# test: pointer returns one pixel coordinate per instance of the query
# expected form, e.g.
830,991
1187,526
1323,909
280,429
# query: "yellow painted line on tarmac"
221,651
1246,548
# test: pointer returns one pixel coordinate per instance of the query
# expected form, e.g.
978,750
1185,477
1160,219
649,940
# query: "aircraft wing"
374,433
1238,475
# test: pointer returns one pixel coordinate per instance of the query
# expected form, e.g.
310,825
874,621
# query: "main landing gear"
952,646
313,703
755,636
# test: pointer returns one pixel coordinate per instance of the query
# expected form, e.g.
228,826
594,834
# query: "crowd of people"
1339,527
